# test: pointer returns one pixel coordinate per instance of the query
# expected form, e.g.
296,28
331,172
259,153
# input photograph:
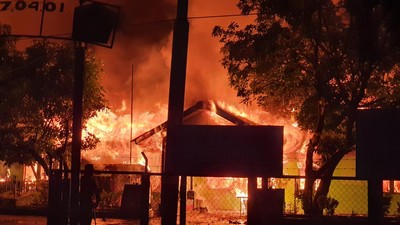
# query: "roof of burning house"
200,114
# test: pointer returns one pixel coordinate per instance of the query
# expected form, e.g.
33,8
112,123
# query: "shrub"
386,202
329,205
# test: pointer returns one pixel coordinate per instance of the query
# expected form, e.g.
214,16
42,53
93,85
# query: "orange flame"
114,132
113,129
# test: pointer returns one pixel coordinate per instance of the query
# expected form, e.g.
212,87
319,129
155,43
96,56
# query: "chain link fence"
351,196
216,199
221,200
224,200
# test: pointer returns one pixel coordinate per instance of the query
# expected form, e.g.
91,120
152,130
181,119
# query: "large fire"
115,131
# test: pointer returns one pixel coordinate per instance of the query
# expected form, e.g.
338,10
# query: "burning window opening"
391,186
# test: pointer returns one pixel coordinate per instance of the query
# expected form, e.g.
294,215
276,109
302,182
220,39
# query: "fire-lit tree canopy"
36,89
320,60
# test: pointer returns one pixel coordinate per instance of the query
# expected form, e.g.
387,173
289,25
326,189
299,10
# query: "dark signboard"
225,151
378,144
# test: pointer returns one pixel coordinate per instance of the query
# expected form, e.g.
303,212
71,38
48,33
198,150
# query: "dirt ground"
41,220
199,219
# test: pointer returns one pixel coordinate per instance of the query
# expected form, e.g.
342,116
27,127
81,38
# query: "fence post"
54,202
375,192
144,214
251,206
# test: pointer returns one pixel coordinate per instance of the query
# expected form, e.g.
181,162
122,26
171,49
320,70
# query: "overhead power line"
189,18
66,37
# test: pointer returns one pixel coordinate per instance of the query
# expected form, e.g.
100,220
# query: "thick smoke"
144,41
142,36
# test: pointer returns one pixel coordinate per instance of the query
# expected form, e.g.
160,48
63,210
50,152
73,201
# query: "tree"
36,104
320,60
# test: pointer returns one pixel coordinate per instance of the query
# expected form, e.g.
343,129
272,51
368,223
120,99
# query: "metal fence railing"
18,186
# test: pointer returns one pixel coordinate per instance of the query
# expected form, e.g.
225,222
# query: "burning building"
228,194
215,194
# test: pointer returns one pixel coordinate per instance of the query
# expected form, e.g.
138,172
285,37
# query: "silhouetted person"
89,196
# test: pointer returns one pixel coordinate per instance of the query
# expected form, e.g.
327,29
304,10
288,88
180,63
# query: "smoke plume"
143,47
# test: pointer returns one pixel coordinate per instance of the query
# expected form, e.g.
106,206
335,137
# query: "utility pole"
169,186
77,131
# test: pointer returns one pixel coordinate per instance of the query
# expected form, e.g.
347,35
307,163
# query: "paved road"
41,220
22,220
